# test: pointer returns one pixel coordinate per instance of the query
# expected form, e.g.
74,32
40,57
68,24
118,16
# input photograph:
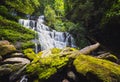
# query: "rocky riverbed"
57,65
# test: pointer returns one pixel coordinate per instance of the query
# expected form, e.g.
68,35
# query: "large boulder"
47,62
97,70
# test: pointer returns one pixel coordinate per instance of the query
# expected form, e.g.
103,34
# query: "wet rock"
17,60
5,71
18,45
71,75
17,75
5,49
17,55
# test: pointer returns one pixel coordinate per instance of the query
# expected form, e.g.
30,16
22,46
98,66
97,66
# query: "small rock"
65,80
71,75
17,60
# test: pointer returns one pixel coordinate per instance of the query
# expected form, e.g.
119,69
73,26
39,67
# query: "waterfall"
47,37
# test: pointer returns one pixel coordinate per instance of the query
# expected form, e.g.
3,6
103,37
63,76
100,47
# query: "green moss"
26,6
36,80
28,44
13,32
39,54
6,49
47,66
97,70
55,50
4,12
29,53
46,73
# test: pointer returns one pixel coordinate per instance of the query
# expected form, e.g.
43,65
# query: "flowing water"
47,37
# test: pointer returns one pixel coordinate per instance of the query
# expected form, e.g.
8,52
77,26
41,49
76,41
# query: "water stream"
47,37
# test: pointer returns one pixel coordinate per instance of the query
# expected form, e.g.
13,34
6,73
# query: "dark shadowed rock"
5,71
0,58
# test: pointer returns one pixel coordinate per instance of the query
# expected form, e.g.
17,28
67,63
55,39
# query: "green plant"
3,9
28,44
49,15
59,25
13,32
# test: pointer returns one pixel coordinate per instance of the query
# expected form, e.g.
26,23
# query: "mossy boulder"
4,42
97,70
14,32
6,47
47,63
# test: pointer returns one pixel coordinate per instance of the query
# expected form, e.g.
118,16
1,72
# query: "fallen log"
89,49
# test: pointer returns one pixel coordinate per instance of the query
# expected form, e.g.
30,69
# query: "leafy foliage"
26,6
28,44
59,7
4,12
50,15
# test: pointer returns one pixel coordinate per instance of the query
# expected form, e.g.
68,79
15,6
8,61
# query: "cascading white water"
47,37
